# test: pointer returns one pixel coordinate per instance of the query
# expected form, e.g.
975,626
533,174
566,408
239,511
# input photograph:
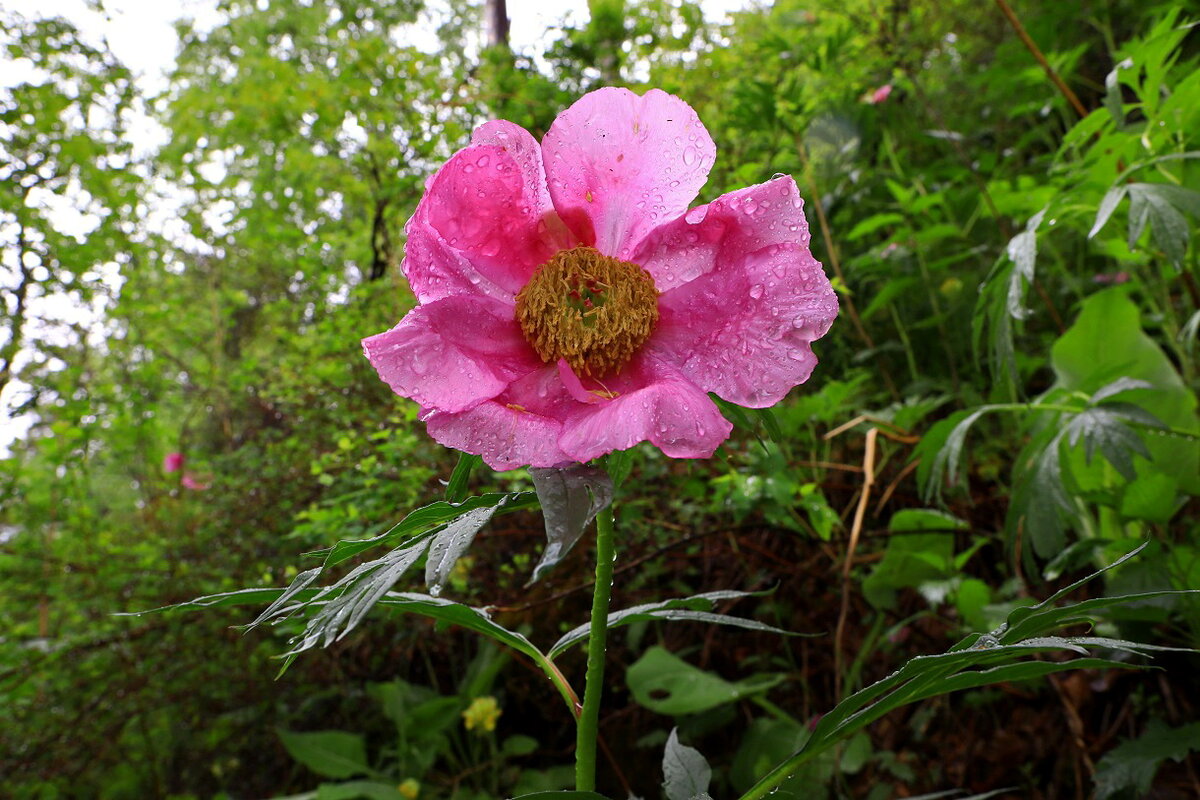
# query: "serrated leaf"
1162,206
1130,767
1123,384
448,545
1102,428
332,754
941,450
427,518
570,497
686,773
1108,204
342,606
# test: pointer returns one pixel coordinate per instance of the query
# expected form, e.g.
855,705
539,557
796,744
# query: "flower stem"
589,718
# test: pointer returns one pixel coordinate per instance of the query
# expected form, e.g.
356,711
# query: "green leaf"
666,684
912,520
342,606
456,488
1022,250
427,518
1130,767
333,754
978,660
1163,206
1105,344
683,609
473,619
1108,205
1103,428
686,773
941,449
914,558
872,224
448,545
570,497
358,790
563,795
519,745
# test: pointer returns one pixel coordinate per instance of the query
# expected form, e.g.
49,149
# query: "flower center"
593,310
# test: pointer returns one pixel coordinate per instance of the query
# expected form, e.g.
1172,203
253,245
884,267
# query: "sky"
141,34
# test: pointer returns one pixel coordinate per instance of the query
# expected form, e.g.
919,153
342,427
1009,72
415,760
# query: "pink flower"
570,305
190,482
879,95
173,462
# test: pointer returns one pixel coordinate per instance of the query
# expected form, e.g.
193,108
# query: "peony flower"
173,462
570,305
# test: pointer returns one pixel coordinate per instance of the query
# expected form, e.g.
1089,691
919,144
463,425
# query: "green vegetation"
1007,404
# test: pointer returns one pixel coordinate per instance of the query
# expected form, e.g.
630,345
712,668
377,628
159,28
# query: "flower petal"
743,328
619,164
738,222
506,436
435,270
481,203
452,354
654,403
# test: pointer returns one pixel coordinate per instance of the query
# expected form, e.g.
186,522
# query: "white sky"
141,34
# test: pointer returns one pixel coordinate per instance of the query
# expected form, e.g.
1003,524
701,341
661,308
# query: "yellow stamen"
590,309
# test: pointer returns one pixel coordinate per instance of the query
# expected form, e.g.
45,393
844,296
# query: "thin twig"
855,530
1041,59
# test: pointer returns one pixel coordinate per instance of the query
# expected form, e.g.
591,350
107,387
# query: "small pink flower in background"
1111,277
570,305
173,462
189,481
879,95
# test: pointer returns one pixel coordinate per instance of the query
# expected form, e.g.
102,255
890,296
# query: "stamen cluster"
592,310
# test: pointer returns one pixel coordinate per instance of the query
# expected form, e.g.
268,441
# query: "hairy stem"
589,717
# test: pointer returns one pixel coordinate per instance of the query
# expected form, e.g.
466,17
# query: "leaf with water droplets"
451,542
571,497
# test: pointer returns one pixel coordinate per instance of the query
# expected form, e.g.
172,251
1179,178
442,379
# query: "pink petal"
619,164
743,326
452,354
482,205
738,222
435,270
654,403
173,462
506,436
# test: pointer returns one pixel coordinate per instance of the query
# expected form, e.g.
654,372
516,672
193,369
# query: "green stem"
589,718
